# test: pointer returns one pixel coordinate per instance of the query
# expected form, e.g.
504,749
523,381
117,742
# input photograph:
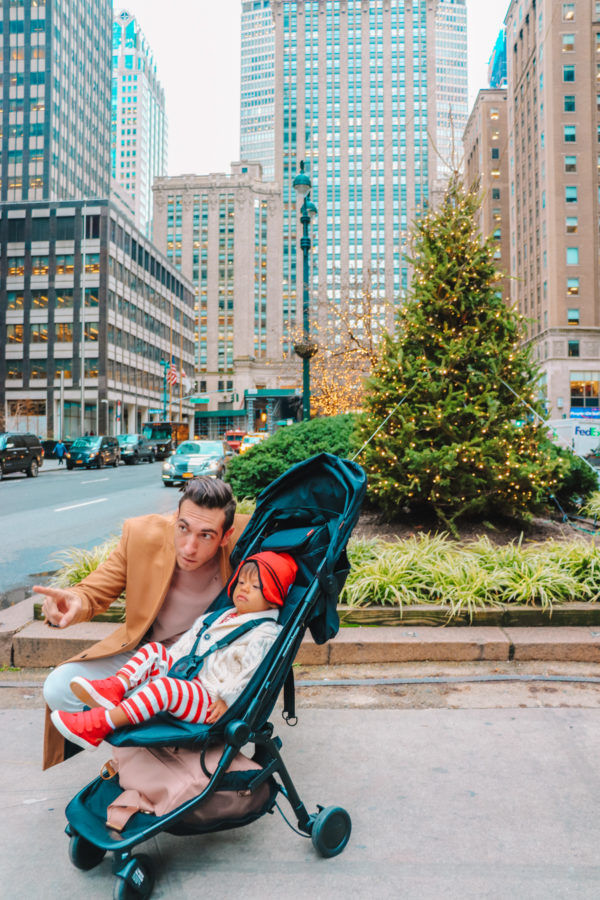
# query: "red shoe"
107,693
86,729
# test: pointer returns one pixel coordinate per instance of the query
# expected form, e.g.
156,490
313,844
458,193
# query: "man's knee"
57,693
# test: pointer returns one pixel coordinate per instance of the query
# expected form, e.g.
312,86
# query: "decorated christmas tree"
454,393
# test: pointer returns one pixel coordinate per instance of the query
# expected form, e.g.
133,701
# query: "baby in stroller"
234,643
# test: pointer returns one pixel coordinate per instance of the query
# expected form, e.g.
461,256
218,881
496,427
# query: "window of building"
569,134
14,333
573,316
571,193
572,256
569,103
570,163
572,287
494,113
64,298
14,369
568,12
584,389
495,153
568,73
63,332
495,193
571,224
39,265
15,300
39,299
63,365
38,332
573,348
568,42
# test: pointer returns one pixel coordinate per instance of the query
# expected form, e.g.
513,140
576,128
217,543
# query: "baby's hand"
215,711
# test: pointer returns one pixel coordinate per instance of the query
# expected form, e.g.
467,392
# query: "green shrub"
75,563
251,472
437,570
577,482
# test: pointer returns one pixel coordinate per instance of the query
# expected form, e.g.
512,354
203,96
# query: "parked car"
234,438
251,439
95,450
20,453
135,447
194,458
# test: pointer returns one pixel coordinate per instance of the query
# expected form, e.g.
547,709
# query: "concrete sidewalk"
445,805
27,643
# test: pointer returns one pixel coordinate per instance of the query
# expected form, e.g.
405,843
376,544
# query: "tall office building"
553,52
486,165
139,122
257,88
451,108
222,231
356,98
55,99
88,310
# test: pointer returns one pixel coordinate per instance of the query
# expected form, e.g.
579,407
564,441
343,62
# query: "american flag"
172,376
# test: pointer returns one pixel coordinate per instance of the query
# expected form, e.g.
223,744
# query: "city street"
39,516
446,804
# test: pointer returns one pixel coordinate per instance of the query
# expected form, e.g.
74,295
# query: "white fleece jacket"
226,672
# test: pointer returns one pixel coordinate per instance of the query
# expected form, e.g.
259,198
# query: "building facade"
223,233
55,99
90,311
553,54
257,87
356,100
485,142
139,122
451,107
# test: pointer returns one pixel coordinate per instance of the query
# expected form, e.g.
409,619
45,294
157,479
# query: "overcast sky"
197,51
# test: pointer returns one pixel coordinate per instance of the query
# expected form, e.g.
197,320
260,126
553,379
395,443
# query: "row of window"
39,332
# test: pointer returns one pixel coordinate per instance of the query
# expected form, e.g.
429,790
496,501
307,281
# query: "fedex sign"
592,431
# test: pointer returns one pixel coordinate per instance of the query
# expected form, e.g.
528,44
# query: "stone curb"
32,644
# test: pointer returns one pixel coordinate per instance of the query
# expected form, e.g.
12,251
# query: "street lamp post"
306,348
165,366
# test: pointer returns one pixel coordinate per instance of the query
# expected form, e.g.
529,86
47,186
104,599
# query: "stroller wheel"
138,882
331,831
83,854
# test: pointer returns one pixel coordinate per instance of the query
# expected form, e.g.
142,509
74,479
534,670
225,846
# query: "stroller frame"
246,722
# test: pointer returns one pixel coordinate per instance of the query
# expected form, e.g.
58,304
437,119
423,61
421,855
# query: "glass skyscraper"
139,124
55,99
356,94
452,109
257,89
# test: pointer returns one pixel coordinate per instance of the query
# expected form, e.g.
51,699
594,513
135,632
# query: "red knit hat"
276,573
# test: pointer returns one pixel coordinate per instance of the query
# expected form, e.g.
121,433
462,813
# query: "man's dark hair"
212,493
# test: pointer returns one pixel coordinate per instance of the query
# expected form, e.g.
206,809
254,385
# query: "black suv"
135,447
95,450
20,453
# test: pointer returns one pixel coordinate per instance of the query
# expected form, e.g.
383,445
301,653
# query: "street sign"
199,399
154,411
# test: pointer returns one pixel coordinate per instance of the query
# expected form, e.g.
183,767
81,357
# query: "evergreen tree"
462,442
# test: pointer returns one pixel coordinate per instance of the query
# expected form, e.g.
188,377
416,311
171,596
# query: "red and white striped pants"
187,700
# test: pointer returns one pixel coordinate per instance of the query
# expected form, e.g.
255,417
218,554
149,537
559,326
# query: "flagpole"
171,361
181,372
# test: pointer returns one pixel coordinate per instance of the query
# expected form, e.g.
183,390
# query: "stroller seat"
309,512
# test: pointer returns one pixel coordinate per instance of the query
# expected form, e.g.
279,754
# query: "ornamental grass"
437,570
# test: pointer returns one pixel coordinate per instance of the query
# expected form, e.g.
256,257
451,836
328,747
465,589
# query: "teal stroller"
310,512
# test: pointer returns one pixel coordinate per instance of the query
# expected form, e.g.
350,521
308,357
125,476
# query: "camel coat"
143,563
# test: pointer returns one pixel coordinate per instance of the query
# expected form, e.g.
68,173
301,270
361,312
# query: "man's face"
198,535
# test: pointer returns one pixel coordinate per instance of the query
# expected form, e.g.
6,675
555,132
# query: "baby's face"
247,595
